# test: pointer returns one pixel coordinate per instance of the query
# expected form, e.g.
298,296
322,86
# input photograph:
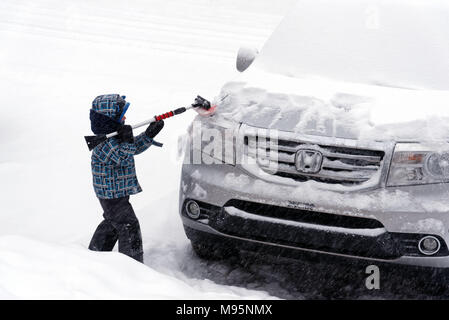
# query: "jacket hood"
105,113
110,105
102,124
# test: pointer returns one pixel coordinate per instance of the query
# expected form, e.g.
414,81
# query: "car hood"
317,106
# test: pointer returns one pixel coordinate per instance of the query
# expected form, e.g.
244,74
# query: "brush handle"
155,119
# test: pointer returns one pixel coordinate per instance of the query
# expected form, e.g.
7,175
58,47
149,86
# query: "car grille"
305,216
384,245
337,163
381,246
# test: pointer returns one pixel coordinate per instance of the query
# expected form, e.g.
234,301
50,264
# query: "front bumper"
404,214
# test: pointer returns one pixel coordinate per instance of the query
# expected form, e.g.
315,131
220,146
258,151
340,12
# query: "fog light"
193,209
429,245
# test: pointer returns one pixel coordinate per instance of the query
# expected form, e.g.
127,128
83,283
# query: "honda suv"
333,142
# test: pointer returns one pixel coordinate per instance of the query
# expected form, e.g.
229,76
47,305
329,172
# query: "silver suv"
333,142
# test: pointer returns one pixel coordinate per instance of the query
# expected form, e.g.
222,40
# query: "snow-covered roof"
400,43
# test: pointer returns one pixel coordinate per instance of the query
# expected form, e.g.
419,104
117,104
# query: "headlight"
213,142
415,163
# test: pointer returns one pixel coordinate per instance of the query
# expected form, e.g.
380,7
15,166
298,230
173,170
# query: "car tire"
213,252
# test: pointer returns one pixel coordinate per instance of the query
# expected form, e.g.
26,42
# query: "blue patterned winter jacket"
113,168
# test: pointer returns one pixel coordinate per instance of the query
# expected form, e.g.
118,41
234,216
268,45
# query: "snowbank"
32,269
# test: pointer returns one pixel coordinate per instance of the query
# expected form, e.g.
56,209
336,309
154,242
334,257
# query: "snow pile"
31,269
324,107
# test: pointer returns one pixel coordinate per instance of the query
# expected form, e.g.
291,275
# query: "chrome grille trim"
345,161
327,154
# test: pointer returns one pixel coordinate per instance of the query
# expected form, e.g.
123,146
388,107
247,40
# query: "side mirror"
245,58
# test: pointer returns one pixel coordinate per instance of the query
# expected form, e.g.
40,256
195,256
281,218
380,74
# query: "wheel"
213,252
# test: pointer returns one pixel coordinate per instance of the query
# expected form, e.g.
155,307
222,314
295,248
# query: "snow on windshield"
392,43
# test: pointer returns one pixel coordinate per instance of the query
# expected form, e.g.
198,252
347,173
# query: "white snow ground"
55,57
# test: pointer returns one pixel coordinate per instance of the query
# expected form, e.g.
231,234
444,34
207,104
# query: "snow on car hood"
324,107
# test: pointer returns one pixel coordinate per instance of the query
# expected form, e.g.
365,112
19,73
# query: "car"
332,141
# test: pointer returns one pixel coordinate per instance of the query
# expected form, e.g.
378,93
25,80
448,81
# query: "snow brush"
201,105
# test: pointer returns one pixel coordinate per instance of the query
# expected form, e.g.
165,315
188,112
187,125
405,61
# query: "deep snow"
34,269
56,57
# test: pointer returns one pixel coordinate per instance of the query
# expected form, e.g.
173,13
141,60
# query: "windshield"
391,43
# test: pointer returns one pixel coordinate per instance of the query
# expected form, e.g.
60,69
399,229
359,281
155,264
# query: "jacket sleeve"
114,152
142,143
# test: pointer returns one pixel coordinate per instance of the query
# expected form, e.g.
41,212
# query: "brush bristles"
205,113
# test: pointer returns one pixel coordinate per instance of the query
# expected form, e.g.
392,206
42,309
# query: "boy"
114,175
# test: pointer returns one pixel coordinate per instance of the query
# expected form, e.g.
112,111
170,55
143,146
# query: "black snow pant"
120,223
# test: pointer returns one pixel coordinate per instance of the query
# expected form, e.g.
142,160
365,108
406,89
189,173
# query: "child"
114,175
